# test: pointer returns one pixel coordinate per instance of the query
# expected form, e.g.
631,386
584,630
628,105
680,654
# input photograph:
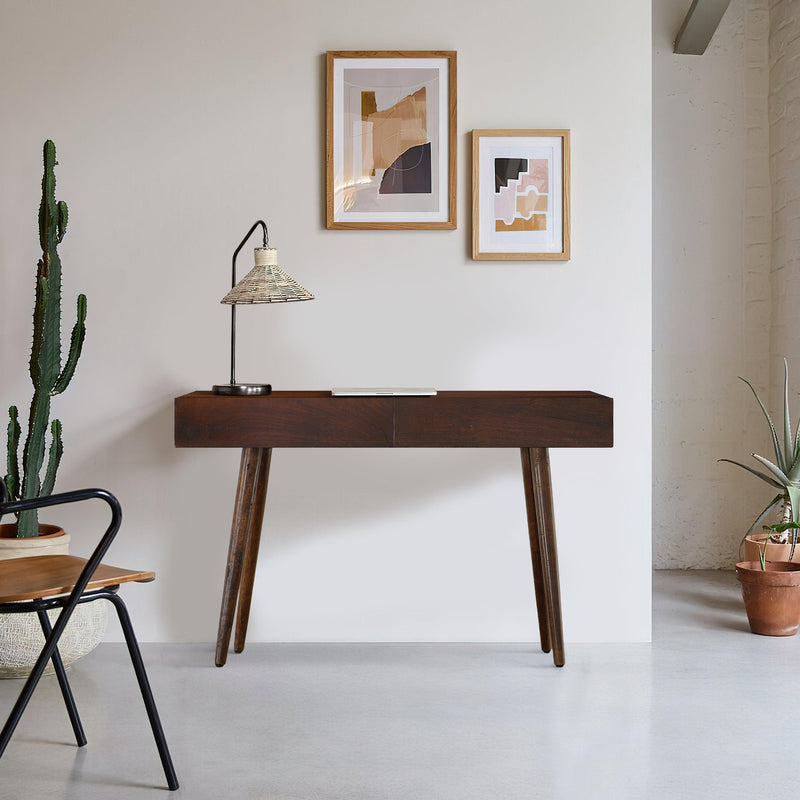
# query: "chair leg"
144,687
33,679
66,691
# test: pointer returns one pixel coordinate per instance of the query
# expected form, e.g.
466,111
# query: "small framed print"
391,139
520,195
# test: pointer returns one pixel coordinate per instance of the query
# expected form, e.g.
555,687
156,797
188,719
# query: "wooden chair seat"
34,577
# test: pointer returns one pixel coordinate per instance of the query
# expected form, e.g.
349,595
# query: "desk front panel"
449,419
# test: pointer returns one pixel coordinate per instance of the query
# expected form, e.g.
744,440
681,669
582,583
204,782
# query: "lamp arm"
265,239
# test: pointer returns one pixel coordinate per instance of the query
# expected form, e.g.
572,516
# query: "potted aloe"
25,478
769,576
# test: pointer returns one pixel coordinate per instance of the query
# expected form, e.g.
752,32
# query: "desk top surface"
477,393
447,419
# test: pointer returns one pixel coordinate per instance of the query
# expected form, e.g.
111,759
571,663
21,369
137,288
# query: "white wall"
177,125
711,288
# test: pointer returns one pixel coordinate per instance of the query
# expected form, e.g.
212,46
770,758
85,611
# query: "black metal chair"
41,583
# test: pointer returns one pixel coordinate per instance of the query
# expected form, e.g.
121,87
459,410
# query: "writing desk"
530,421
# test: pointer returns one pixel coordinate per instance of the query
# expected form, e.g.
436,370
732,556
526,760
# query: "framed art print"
520,195
391,139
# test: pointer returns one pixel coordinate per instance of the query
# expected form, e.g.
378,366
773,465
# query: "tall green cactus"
48,375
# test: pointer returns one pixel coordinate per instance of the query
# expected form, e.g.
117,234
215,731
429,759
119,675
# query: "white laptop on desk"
389,392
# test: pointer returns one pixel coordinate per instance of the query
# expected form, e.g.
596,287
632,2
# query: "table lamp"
265,283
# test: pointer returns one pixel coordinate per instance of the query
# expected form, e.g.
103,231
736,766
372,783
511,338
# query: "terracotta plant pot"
21,637
771,596
775,552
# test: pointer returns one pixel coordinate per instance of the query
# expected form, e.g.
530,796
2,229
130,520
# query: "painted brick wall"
711,282
784,118
757,228
727,124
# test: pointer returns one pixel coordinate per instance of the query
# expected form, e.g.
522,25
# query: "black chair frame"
68,604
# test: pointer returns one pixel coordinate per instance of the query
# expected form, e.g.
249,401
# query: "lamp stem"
265,238
233,345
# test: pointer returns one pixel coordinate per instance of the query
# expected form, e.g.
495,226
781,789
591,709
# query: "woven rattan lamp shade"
266,283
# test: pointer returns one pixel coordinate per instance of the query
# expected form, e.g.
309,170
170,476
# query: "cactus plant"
49,376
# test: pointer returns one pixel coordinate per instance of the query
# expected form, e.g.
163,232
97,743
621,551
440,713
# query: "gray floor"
707,711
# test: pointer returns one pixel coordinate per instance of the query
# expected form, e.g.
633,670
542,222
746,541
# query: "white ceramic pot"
21,638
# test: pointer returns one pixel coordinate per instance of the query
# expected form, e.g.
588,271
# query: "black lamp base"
242,389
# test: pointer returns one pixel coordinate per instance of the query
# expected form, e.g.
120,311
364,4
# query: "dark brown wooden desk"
531,421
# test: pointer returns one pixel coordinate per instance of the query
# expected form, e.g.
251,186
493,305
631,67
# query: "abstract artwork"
520,195
391,139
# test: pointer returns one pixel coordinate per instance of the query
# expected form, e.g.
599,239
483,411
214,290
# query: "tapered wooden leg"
536,557
248,471
251,551
546,534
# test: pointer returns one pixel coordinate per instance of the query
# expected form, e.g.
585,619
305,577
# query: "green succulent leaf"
47,206
797,444
781,527
793,471
764,477
63,217
794,499
788,444
33,452
765,513
27,524
75,347
775,443
38,323
776,471
56,451
12,453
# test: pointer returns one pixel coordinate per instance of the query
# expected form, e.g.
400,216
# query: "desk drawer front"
280,421
544,421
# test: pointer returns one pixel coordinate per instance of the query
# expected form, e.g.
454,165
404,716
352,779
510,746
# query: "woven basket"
21,637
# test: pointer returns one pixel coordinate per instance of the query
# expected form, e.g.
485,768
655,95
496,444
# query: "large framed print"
391,139
520,195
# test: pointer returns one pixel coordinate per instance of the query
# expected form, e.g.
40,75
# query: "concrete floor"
707,711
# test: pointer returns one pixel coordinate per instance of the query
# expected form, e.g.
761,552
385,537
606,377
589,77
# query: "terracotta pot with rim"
21,638
51,541
771,596
753,545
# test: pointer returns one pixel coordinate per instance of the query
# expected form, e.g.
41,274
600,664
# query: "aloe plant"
49,376
783,473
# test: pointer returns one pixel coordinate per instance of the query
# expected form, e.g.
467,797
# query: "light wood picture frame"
391,139
520,195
